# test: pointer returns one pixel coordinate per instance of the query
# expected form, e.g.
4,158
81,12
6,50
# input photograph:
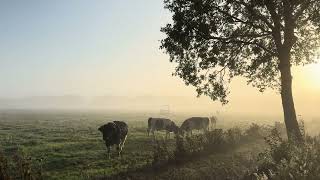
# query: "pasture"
67,145
70,144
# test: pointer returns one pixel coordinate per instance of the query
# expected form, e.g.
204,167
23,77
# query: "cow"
195,123
158,124
114,133
213,122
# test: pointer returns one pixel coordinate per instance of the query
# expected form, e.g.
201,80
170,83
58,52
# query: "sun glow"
313,71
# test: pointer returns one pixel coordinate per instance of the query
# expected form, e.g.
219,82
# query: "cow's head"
174,128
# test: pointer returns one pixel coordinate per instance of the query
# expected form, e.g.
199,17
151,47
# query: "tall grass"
20,167
210,142
284,160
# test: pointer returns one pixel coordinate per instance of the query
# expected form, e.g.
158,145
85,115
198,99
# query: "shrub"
195,144
284,160
281,128
180,151
188,147
254,131
234,136
161,153
215,140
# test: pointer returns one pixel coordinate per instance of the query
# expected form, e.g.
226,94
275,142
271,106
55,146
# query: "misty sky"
108,47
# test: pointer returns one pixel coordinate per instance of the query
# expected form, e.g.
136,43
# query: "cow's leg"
167,135
154,135
148,131
119,149
122,143
109,150
206,129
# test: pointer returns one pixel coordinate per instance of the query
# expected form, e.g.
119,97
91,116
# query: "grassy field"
71,147
70,144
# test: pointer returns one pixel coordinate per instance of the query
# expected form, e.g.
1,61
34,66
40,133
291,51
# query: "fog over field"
244,102
159,89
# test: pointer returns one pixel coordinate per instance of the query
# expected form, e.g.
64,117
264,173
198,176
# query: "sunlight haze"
96,49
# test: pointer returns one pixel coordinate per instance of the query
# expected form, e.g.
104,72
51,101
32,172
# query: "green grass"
70,143
72,148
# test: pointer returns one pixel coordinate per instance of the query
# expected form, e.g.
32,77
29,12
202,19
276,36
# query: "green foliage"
210,142
180,150
216,140
234,136
213,41
286,161
161,154
254,131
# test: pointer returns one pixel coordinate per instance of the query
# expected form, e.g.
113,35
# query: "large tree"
213,41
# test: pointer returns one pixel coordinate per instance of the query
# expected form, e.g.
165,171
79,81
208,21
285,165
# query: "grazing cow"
213,122
158,124
195,123
114,133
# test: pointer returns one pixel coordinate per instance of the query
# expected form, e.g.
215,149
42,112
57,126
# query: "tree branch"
237,19
271,6
255,13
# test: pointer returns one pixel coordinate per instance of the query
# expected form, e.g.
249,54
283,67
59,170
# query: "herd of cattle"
115,133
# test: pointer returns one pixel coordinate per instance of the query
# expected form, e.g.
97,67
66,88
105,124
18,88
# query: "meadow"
67,145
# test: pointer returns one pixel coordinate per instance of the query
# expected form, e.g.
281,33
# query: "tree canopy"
212,41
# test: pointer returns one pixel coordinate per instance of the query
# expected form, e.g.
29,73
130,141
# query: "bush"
254,131
284,160
189,147
281,128
215,141
199,144
195,144
161,154
234,136
180,151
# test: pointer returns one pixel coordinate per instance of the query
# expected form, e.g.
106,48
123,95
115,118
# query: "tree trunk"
290,118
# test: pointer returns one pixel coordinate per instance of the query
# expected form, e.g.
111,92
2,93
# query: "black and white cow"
114,133
195,123
158,124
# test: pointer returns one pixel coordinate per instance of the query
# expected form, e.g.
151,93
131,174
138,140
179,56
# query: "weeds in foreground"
4,168
188,147
161,153
284,160
22,167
